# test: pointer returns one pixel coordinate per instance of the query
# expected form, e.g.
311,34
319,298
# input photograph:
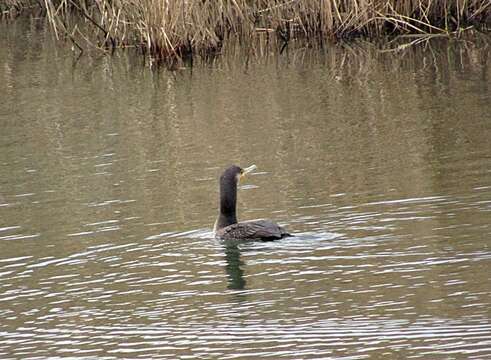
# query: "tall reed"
178,28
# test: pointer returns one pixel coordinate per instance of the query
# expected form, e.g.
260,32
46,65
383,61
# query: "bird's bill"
249,169
246,171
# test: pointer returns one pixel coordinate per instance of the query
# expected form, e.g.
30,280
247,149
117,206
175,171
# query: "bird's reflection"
234,267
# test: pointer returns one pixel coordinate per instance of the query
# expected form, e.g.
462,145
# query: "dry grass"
12,8
174,29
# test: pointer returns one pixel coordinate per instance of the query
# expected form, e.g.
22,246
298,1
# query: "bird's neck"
228,204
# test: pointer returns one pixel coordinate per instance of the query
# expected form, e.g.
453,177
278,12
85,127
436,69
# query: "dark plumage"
227,227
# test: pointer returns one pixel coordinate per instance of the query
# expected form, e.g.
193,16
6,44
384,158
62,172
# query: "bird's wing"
259,229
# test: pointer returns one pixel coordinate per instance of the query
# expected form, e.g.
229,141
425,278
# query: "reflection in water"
108,188
234,267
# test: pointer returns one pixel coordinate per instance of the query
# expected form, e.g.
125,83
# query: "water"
380,163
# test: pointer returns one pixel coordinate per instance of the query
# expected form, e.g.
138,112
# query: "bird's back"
253,230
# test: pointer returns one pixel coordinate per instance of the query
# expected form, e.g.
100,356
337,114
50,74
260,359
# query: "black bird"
227,227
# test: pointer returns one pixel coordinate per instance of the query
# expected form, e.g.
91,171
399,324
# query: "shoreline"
173,32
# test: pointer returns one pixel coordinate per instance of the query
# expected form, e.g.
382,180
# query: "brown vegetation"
170,29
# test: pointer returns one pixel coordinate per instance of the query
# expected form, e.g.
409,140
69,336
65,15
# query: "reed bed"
176,29
12,8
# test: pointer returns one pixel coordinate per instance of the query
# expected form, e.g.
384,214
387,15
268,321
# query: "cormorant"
227,227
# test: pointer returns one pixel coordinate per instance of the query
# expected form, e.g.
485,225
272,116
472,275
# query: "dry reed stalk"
173,29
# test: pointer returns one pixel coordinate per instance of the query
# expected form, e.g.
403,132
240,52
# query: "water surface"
379,162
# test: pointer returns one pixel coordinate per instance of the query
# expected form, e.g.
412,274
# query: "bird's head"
236,173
